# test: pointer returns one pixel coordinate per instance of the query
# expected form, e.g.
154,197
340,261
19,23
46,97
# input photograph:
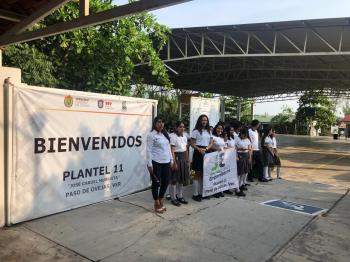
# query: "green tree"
314,106
346,109
97,59
231,104
37,69
284,121
286,116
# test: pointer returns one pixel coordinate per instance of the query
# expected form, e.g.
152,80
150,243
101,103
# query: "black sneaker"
206,197
263,180
240,193
221,194
217,195
182,200
228,192
175,203
247,184
197,198
243,188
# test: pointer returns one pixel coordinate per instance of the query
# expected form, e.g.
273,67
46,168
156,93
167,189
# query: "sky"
230,12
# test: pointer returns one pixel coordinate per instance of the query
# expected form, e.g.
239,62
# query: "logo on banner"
100,103
124,107
68,101
108,103
81,101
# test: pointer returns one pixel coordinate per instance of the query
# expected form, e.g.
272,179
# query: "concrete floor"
316,171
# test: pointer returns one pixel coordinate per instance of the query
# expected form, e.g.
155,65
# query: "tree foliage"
314,106
286,116
346,109
97,59
284,122
231,106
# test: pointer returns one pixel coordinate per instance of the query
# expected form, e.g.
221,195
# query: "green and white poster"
219,172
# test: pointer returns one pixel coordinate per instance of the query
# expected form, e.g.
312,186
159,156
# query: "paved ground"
316,172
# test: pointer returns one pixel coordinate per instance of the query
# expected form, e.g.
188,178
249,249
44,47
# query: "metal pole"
222,108
239,110
252,110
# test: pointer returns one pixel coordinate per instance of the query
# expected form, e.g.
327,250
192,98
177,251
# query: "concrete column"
15,76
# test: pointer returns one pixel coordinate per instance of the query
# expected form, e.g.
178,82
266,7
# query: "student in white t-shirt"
230,143
277,161
159,161
257,161
180,173
244,157
267,152
219,144
201,141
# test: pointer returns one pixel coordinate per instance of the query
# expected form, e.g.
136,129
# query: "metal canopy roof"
17,17
264,59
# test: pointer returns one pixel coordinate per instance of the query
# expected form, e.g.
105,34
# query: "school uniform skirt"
268,158
181,175
243,164
277,161
197,160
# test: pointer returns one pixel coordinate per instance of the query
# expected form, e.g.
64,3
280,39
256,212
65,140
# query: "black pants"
257,163
160,179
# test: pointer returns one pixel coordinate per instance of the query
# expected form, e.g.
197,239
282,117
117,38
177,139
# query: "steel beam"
82,22
11,16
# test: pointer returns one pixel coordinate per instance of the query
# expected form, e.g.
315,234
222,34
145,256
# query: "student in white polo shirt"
268,153
277,161
180,173
201,141
257,161
219,145
159,161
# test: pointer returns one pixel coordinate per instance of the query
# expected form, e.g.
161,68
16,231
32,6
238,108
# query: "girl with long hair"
267,152
277,160
159,161
229,137
201,141
180,172
244,158
219,144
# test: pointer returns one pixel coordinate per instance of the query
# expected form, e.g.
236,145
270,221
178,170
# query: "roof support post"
274,43
305,42
224,45
84,8
168,48
291,42
202,44
36,17
248,43
341,40
324,40
195,47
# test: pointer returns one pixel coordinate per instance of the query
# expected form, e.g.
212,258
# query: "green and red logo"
68,101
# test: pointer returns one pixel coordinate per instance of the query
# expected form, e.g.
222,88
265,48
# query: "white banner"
219,172
75,148
207,106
